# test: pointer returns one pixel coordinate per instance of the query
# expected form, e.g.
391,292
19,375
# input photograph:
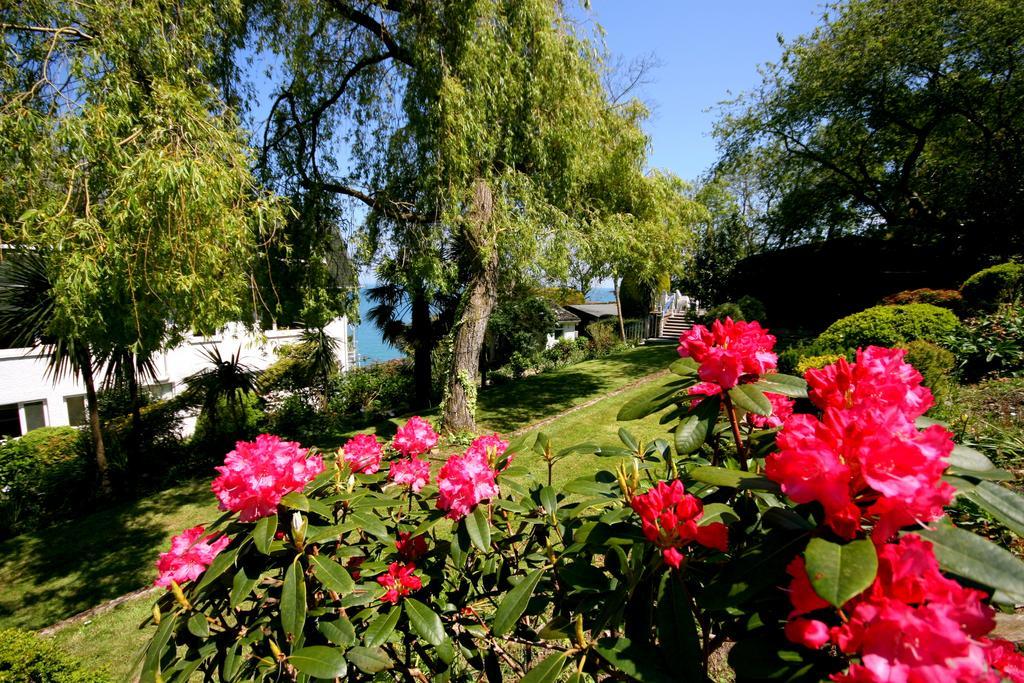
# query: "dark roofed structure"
564,316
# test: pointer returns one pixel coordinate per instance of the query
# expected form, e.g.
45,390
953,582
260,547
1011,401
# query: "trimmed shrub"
723,311
46,474
28,658
232,423
986,289
888,326
378,390
934,363
944,298
604,336
818,361
752,308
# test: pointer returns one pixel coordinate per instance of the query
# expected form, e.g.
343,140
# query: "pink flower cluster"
363,453
189,556
411,472
415,437
399,581
864,459
670,518
467,479
782,409
257,474
912,625
728,354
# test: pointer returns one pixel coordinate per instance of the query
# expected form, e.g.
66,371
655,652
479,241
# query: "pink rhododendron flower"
464,481
415,437
670,517
490,446
912,624
410,548
782,408
363,453
189,556
257,474
1004,657
865,459
730,353
399,581
411,472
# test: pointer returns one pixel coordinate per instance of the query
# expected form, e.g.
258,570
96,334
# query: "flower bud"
299,526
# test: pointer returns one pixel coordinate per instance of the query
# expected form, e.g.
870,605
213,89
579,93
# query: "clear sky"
709,51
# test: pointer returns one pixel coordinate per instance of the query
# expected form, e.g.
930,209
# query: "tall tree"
472,128
894,116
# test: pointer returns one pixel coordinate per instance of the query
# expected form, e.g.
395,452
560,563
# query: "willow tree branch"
363,19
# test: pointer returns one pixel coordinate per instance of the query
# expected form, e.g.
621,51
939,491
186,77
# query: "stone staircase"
674,325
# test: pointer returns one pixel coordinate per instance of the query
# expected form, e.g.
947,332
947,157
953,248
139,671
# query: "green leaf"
371,525
479,528
628,439
241,587
547,671
369,660
839,572
433,517
425,621
155,651
677,630
718,512
296,500
751,399
684,367
548,499
962,553
339,631
651,401
964,458
721,476
639,662
263,533
293,599
557,629
198,625
1000,502
514,603
331,575
786,385
692,431
319,661
381,628
220,564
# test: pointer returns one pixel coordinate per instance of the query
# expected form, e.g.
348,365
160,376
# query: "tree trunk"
423,346
94,424
133,396
478,303
618,308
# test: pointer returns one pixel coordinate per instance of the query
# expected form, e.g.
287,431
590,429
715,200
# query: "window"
10,422
160,392
35,415
76,410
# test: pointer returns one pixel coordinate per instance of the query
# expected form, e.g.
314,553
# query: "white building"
565,326
29,398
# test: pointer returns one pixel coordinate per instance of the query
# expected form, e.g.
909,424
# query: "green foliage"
217,430
723,311
987,289
890,117
946,298
752,307
45,475
381,389
28,658
518,328
805,363
604,337
889,326
935,364
990,345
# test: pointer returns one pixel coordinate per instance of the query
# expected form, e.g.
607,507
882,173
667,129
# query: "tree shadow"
60,571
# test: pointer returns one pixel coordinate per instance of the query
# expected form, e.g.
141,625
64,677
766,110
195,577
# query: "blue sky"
709,51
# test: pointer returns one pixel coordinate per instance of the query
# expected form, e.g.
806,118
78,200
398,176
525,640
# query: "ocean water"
372,349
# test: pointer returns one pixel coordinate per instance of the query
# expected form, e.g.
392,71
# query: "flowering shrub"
799,522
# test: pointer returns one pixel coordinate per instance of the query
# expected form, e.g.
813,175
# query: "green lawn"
60,571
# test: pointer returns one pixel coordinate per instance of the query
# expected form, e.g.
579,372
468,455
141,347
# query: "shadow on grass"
515,405
65,569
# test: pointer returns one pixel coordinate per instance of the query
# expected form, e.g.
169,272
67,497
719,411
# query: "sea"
372,349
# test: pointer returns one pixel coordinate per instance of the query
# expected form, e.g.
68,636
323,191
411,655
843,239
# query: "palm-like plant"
27,314
226,380
128,368
320,359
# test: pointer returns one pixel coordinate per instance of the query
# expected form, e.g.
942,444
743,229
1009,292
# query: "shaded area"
57,572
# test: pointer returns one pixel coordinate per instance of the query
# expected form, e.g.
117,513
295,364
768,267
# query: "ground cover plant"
801,521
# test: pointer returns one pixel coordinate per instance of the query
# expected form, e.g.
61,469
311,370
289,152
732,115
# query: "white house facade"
565,326
30,398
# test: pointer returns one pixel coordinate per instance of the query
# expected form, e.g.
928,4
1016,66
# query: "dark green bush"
935,364
294,417
990,345
217,434
28,658
817,361
985,290
888,326
752,308
944,298
723,311
45,475
382,389
567,352
604,336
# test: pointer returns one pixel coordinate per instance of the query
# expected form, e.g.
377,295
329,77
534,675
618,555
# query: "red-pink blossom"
411,472
400,580
730,353
782,408
464,481
410,548
415,437
670,518
189,556
257,474
879,378
1005,658
363,453
490,446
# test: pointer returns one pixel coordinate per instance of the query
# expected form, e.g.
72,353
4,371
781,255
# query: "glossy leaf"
684,367
198,625
1000,502
425,621
751,399
369,659
720,476
839,572
293,599
547,671
241,586
637,661
381,628
786,385
962,553
515,602
263,533
319,661
677,630
479,528
628,440
331,575
339,631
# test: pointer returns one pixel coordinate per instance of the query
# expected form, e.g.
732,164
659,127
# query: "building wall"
24,381
564,331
